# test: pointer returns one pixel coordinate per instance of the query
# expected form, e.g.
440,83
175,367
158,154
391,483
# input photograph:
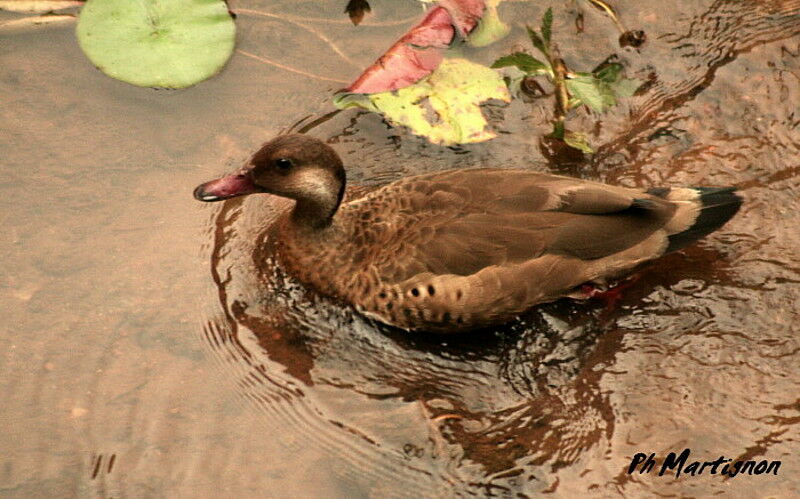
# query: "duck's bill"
226,187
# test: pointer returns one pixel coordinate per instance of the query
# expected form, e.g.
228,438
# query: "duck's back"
464,248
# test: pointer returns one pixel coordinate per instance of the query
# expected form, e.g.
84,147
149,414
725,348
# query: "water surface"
152,347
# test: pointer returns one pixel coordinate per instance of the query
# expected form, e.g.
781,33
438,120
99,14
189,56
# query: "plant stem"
600,4
562,96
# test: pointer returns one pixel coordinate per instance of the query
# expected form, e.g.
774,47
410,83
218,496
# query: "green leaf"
574,102
490,28
445,106
524,62
578,141
537,41
547,26
587,89
157,43
609,73
598,94
347,101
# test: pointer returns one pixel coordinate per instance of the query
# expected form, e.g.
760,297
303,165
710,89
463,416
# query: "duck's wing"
463,221
460,249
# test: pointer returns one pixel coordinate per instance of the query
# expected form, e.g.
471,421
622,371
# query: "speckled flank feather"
460,249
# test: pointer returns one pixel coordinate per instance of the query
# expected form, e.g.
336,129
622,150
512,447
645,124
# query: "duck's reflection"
506,400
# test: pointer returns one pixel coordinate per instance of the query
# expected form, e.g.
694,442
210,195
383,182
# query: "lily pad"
444,107
157,43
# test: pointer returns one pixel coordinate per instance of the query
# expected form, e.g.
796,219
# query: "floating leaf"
157,43
357,9
37,6
411,58
577,141
346,101
465,13
524,62
445,107
421,49
490,28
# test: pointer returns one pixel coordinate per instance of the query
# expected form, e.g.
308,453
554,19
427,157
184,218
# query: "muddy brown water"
151,346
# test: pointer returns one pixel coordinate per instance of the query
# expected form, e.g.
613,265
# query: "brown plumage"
461,249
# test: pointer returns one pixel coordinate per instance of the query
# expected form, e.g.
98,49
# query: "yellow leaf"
445,106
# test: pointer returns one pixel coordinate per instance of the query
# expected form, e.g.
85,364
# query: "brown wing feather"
462,221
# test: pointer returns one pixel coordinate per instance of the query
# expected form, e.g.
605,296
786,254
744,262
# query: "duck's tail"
701,211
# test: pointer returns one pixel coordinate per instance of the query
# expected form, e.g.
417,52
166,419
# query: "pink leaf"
419,52
411,58
465,13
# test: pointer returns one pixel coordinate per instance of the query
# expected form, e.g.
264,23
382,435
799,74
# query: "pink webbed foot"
610,296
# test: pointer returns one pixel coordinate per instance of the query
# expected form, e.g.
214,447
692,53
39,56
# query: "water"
153,348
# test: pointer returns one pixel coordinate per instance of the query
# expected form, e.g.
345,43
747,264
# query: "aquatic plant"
597,90
408,88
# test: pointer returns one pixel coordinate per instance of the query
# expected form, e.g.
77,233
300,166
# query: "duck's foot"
609,295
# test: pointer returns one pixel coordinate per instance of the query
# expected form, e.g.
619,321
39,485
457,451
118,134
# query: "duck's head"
293,166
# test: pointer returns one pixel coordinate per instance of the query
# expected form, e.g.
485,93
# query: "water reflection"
108,392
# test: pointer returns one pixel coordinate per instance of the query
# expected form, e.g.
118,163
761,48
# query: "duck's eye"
283,163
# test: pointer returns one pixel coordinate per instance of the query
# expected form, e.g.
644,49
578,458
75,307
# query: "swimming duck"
461,249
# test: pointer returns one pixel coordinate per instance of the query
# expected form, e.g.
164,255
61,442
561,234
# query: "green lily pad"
444,107
157,43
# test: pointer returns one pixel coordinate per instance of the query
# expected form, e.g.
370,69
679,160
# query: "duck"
463,249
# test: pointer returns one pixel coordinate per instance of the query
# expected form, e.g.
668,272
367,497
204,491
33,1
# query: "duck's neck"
316,209
313,215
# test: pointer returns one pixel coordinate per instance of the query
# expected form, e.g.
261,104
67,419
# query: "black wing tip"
719,204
